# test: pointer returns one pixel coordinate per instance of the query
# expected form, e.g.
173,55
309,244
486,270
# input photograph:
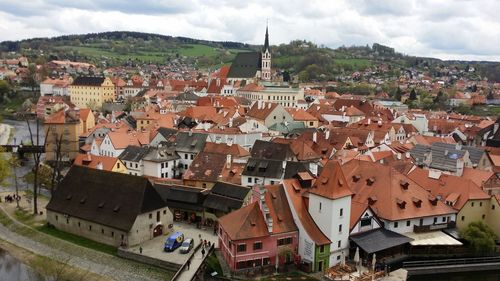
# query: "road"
74,255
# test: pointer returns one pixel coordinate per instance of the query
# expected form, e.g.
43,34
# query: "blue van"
173,242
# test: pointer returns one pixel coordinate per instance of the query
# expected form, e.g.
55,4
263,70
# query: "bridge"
452,265
21,149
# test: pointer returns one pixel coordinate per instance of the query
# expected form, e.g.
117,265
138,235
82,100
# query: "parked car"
173,242
186,246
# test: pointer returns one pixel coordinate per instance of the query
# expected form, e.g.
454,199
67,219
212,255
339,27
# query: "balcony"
433,227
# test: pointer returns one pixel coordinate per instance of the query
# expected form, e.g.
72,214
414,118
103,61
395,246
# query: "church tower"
266,59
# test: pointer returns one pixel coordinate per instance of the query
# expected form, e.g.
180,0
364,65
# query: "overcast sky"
447,29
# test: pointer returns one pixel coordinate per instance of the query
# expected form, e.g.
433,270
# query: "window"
285,241
90,227
340,228
112,234
57,217
192,156
443,219
322,249
185,156
341,212
366,222
493,207
242,248
136,165
150,216
435,220
408,223
311,123
463,218
162,165
118,165
395,224
472,204
249,180
164,212
257,246
339,243
320,207
79,224
480,204
102,230
338,257
484,216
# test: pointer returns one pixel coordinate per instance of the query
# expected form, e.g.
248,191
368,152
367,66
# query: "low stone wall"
148,260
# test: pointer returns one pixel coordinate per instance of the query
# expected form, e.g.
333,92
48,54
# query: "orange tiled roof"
247,222
92,161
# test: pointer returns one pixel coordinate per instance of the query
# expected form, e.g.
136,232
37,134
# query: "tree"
5,169
398,94
480,236
413,95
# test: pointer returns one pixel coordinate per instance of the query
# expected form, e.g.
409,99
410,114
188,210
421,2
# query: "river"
13,270
461,276
21,134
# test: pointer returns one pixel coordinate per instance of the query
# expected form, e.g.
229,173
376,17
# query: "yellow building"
64,125
493,214
92,92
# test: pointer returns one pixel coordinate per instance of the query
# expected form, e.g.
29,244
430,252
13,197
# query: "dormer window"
401,203
417,202
370,181
404,184
372,200
356,178
324,180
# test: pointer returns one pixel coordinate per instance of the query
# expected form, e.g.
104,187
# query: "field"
122,52
356,63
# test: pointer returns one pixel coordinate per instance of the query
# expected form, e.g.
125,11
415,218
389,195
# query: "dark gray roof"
475,153
378,239
106,198
187,96
179,196
190,142
88,81
222,203
245,65
292,168
270,150
161,154
133,153
230,190
166,132
445,156
263,168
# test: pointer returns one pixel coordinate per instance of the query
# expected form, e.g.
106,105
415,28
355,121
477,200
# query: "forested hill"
306,59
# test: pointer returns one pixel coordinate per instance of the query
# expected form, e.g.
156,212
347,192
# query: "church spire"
266,41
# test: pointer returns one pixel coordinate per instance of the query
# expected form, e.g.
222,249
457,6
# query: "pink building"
260,233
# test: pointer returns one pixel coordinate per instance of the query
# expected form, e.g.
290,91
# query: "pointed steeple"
266,41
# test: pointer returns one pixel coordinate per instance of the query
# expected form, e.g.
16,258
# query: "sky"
446,29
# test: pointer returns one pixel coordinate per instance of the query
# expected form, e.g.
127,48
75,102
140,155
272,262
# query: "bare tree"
57,164
36,158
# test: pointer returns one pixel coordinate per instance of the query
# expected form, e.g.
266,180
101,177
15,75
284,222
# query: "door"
158,230
320,266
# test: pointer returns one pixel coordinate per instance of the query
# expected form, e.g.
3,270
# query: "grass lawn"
214,265
78,240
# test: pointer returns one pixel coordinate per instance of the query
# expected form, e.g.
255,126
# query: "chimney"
379,123
327,134
228,161
407,155
269,106
315,137
99,166
399,156
369,121
231,122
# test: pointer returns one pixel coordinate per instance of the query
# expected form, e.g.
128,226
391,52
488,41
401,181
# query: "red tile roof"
247,222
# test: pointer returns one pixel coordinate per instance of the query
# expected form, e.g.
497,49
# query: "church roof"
245,65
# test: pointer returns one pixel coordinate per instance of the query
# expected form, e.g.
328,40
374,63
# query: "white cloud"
448,29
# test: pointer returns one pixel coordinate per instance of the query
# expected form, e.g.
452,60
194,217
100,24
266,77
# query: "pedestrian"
140,250
203,252
205,243
188,264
